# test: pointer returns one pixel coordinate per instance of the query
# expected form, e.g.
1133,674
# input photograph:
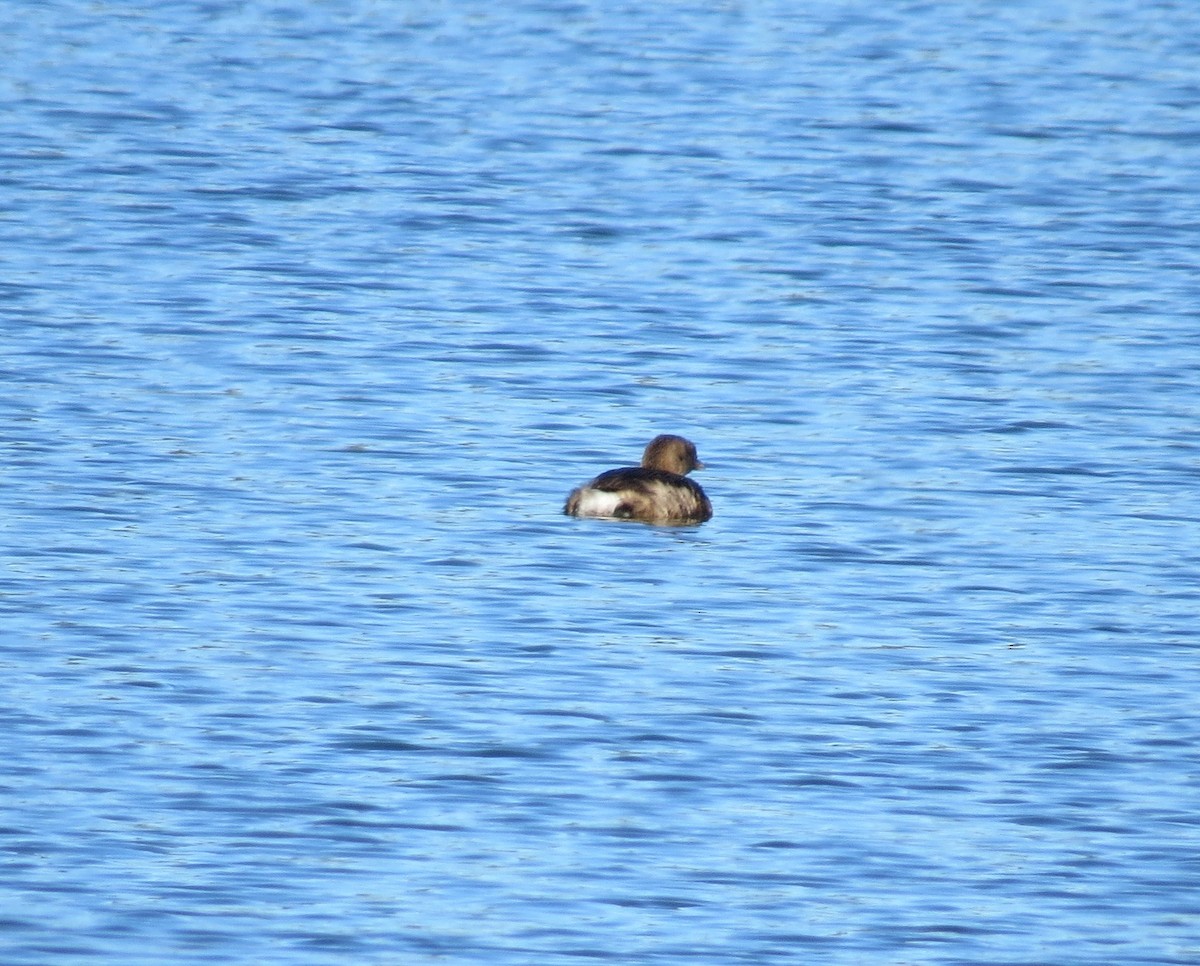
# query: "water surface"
314,313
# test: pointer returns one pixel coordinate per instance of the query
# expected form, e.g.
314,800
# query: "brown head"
671,453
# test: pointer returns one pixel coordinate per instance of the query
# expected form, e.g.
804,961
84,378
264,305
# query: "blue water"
313,313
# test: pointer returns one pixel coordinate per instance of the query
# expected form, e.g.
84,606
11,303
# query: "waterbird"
658,491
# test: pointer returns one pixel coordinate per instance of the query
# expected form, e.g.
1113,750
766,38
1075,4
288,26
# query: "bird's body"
658,491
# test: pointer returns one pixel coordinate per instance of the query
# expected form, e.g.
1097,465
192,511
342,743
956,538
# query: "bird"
658,491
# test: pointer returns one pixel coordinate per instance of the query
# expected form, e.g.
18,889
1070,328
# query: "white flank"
597,503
